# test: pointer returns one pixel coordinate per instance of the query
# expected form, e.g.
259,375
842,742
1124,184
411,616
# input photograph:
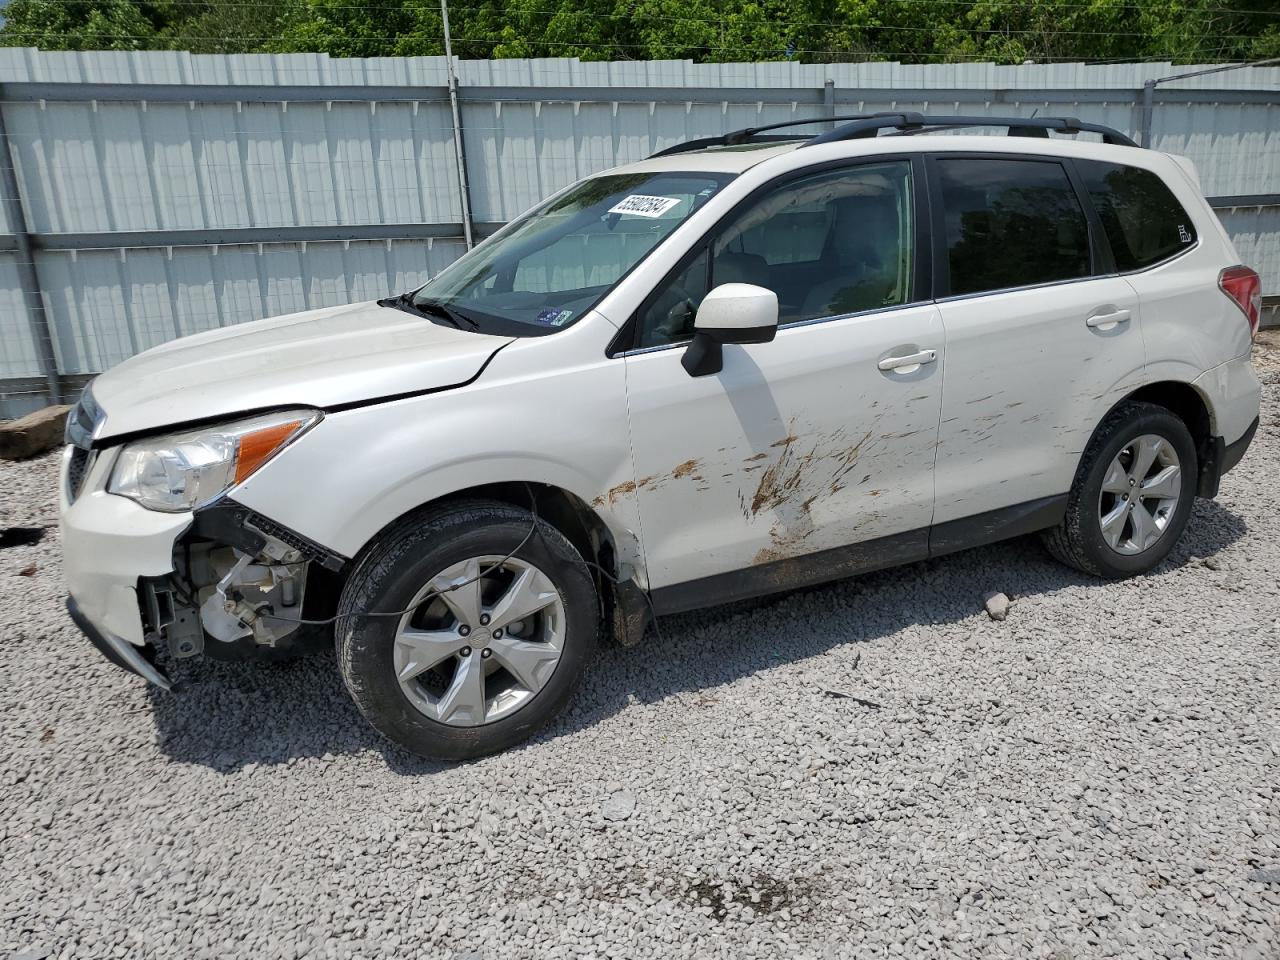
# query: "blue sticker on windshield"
553,317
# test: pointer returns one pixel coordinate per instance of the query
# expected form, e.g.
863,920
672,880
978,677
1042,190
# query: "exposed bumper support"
120,652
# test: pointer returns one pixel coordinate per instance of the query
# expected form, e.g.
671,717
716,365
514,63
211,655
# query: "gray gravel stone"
1066,786
619,806
997,605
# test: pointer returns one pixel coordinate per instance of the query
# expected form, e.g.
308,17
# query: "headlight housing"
184,471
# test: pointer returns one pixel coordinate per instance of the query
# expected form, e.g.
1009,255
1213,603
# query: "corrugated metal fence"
152,195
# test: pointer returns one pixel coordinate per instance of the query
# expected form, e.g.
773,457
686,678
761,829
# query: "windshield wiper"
431,308
455,317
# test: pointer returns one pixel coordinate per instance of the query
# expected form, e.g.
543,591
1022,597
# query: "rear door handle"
1106,321
908,363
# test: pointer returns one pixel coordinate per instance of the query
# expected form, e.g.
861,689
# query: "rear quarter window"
1144,222
1011,223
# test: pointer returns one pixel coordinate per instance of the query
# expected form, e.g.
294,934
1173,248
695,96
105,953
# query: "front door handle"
1108,320
909,363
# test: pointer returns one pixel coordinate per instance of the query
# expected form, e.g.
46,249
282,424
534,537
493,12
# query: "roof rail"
870,125
919,123
752,134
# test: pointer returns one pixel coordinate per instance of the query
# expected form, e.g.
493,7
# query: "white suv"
744,365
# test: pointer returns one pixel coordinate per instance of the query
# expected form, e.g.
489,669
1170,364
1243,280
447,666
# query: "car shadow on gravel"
229,715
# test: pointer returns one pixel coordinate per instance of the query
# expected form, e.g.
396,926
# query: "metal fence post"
459,148
1144,119
28,276
829,103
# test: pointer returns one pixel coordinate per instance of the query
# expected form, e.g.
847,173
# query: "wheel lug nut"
497,634
484,619
463,630
486,653
465,651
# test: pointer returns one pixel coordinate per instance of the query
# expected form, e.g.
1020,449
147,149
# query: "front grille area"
77,469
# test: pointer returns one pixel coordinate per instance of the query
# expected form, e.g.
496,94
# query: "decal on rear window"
638,205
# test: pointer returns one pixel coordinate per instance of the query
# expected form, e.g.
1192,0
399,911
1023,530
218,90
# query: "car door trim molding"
867,556
879,311
993,526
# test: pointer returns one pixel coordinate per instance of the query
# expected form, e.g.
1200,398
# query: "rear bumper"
1233,453
1233,395
1217,457
120,652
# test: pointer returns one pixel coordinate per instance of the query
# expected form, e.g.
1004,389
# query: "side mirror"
731,313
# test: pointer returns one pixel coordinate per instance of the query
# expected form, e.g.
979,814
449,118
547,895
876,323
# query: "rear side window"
1143,220
1011,223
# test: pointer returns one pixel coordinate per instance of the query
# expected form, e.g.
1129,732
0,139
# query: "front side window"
545,270
1011,223
1142,219
828,244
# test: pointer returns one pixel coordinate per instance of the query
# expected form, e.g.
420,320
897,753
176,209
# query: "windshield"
545,270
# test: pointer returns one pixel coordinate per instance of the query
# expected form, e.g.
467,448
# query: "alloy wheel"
1140,494
475,649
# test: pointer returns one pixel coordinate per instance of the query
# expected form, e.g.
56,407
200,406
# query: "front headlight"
183,471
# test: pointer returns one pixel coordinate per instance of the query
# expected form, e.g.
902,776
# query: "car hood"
321,358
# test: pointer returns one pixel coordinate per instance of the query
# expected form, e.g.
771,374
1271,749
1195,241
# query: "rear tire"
439,684
1141,458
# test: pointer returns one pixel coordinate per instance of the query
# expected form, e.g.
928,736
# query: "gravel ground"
871,768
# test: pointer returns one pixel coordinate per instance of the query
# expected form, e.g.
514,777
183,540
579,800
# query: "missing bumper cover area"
237,526
238,586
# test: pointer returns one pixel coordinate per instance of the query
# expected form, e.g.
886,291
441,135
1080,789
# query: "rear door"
1042,336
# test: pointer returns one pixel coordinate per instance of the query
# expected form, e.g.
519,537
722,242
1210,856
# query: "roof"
752,145
737,160
713,159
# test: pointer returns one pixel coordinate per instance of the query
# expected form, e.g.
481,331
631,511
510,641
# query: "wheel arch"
1184,401
590,535
611,563
1189,405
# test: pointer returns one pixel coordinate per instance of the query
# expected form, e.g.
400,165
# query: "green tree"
913,31
83,25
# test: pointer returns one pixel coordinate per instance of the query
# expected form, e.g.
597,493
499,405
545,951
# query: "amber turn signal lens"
257,447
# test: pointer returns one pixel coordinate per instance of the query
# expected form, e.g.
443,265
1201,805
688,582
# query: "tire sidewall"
1174,432
390,581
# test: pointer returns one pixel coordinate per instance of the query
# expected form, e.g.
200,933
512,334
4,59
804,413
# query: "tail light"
1244,287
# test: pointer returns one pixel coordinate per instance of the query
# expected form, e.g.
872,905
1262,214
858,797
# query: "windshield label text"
638,205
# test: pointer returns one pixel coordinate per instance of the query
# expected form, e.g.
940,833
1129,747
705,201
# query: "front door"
824,437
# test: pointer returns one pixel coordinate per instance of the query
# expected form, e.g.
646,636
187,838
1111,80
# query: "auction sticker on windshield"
638,205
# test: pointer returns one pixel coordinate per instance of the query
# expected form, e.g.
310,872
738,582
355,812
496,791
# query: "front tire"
1132,494
480,654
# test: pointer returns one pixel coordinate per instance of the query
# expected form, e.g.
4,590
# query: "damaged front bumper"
139,579
125,655
108,542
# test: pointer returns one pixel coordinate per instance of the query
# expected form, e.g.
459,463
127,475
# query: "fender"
359,469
